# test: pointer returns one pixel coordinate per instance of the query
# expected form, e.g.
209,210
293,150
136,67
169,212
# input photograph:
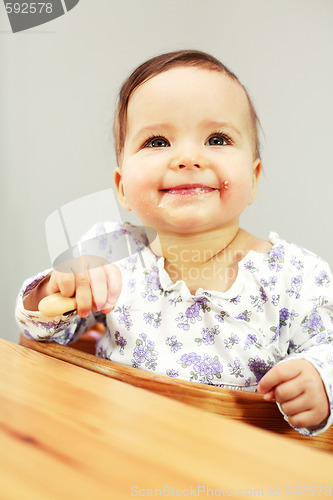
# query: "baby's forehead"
201,87
180,76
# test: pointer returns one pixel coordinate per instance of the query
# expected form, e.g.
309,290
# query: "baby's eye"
218,140
157,142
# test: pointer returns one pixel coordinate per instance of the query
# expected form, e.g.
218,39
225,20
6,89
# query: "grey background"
58,88
22,16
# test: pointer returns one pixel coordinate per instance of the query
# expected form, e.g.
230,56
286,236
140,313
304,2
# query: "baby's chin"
184,223
183,214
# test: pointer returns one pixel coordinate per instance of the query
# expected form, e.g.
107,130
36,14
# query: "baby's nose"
189,164
191,161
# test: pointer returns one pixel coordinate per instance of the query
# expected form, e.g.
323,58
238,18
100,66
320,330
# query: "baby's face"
188,131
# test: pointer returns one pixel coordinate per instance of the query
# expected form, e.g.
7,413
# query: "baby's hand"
96,286
298,388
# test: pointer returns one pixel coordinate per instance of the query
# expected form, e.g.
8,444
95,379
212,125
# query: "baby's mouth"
189,190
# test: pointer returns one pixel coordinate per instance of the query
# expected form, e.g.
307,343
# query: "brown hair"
158,65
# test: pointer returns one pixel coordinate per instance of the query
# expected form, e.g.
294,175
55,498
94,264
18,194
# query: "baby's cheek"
141,201
238,196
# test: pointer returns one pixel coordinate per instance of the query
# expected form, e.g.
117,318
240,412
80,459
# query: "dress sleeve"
69,327
311,334
62,329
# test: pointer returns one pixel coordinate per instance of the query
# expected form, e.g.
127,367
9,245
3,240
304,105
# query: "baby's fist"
297,386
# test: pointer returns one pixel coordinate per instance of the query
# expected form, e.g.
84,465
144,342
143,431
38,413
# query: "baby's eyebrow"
167,128
220,125
150,129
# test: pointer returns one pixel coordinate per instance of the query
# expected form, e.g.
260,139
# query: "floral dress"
280,307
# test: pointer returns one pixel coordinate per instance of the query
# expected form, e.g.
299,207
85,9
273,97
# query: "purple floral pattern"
102,352
323,279
259,367
252,340
275,258
244,316
221,316
236,368
153,319
231,341
173,343
258,301
124,316
269,283
313,324
204,368
152,285
295,287
280,305
236,300
208,336
284,315
144,353
192,313
249,266
130,264
120,341
297,263
172,373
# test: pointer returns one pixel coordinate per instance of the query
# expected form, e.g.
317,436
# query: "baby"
213,303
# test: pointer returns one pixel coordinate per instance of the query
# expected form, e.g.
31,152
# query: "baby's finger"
278,374
308,419
113,278
66,282
296,406
98,287
61,282
83,295
269,396
288,391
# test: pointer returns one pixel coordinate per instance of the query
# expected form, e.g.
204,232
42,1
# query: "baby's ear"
255,178
118,180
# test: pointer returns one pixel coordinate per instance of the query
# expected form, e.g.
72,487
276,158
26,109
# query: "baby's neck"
194,249
208,260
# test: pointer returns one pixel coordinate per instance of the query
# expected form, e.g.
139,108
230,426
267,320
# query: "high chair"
247,407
